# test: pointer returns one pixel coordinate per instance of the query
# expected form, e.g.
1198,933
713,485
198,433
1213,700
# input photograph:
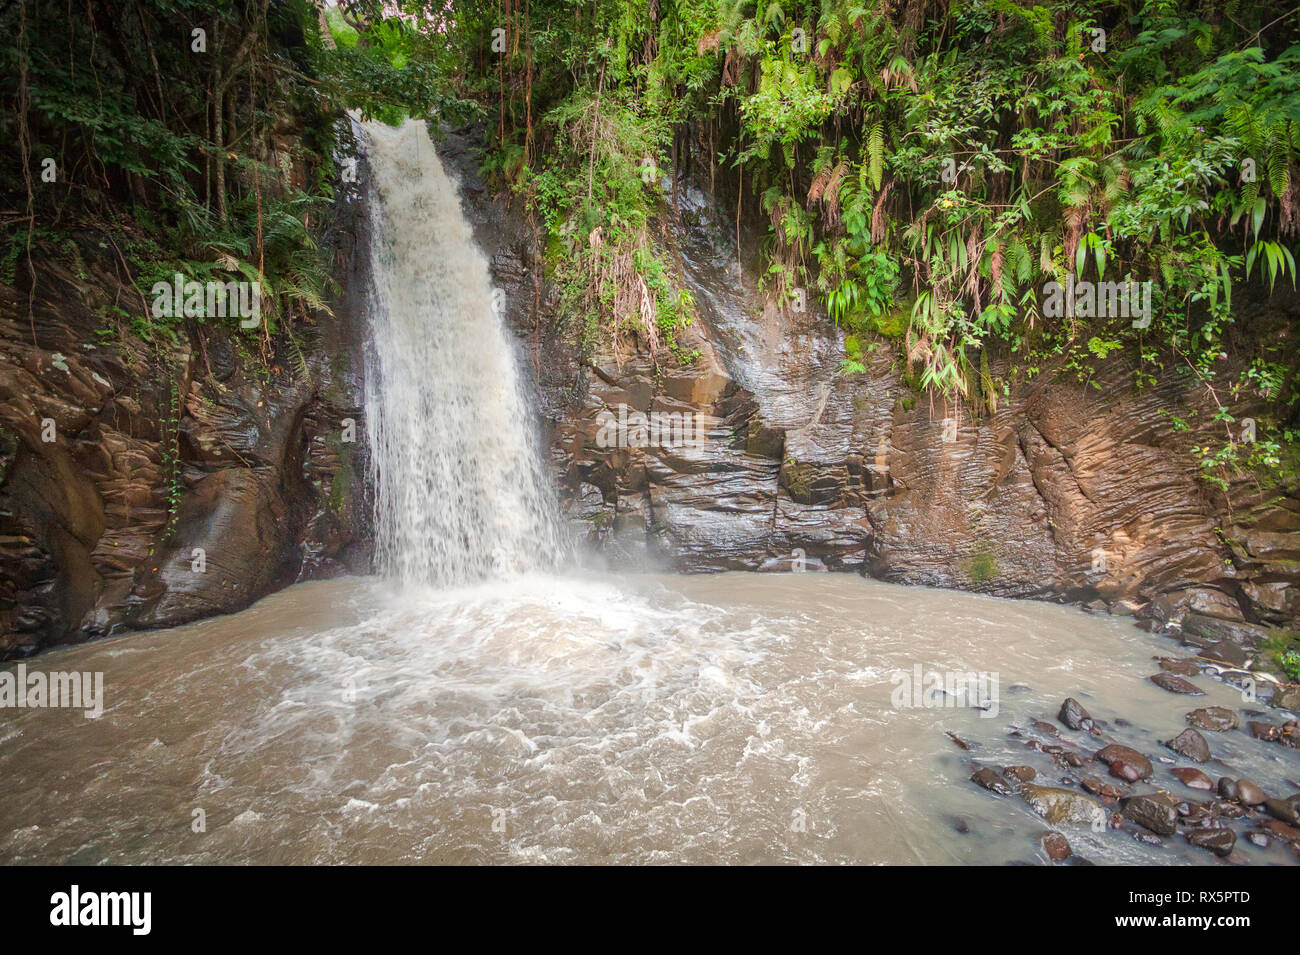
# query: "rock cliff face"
1075,490
146,487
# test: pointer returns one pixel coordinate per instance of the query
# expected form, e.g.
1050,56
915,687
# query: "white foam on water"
460,493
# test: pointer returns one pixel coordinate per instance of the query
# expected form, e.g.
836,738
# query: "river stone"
992,781
1287,698
1153,811
1191,744
1215,718
1074,715
1176,684
1224,631
1228,810
1022,774
1218,841
1130,760
1281,830
1265,731
1281,809
1056,846
1061,806
1047,729
1249,794
1125,771
1193,778
1181,666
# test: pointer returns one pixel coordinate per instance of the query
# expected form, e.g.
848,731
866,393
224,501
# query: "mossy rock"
892,324
340,488
982,567
797,479
1281,654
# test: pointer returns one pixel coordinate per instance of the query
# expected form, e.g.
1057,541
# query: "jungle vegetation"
921,168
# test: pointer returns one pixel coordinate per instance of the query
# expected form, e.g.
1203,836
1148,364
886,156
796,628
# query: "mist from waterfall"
460,491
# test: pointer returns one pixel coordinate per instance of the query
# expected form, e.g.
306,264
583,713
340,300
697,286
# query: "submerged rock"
1047,729
1183,666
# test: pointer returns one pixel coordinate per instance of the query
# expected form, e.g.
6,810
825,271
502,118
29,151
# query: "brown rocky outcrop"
1077,487
147,486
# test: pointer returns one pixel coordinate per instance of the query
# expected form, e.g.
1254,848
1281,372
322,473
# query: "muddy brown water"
646,719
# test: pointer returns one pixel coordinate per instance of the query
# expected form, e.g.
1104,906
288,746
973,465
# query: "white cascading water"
459,489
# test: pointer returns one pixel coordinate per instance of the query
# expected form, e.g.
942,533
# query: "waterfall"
460,493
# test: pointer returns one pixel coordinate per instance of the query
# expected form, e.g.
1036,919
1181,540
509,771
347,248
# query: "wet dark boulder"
1191,744
1176,684
1074,716
992,781
1217,719
1193,779
1056,846
1249,793
1125,762
1154,811
1287,812
1225,631
1218,841
1265,731
1281,830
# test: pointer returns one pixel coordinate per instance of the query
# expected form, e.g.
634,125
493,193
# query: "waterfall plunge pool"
742,718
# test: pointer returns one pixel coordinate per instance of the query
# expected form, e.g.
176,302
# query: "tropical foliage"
923,168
